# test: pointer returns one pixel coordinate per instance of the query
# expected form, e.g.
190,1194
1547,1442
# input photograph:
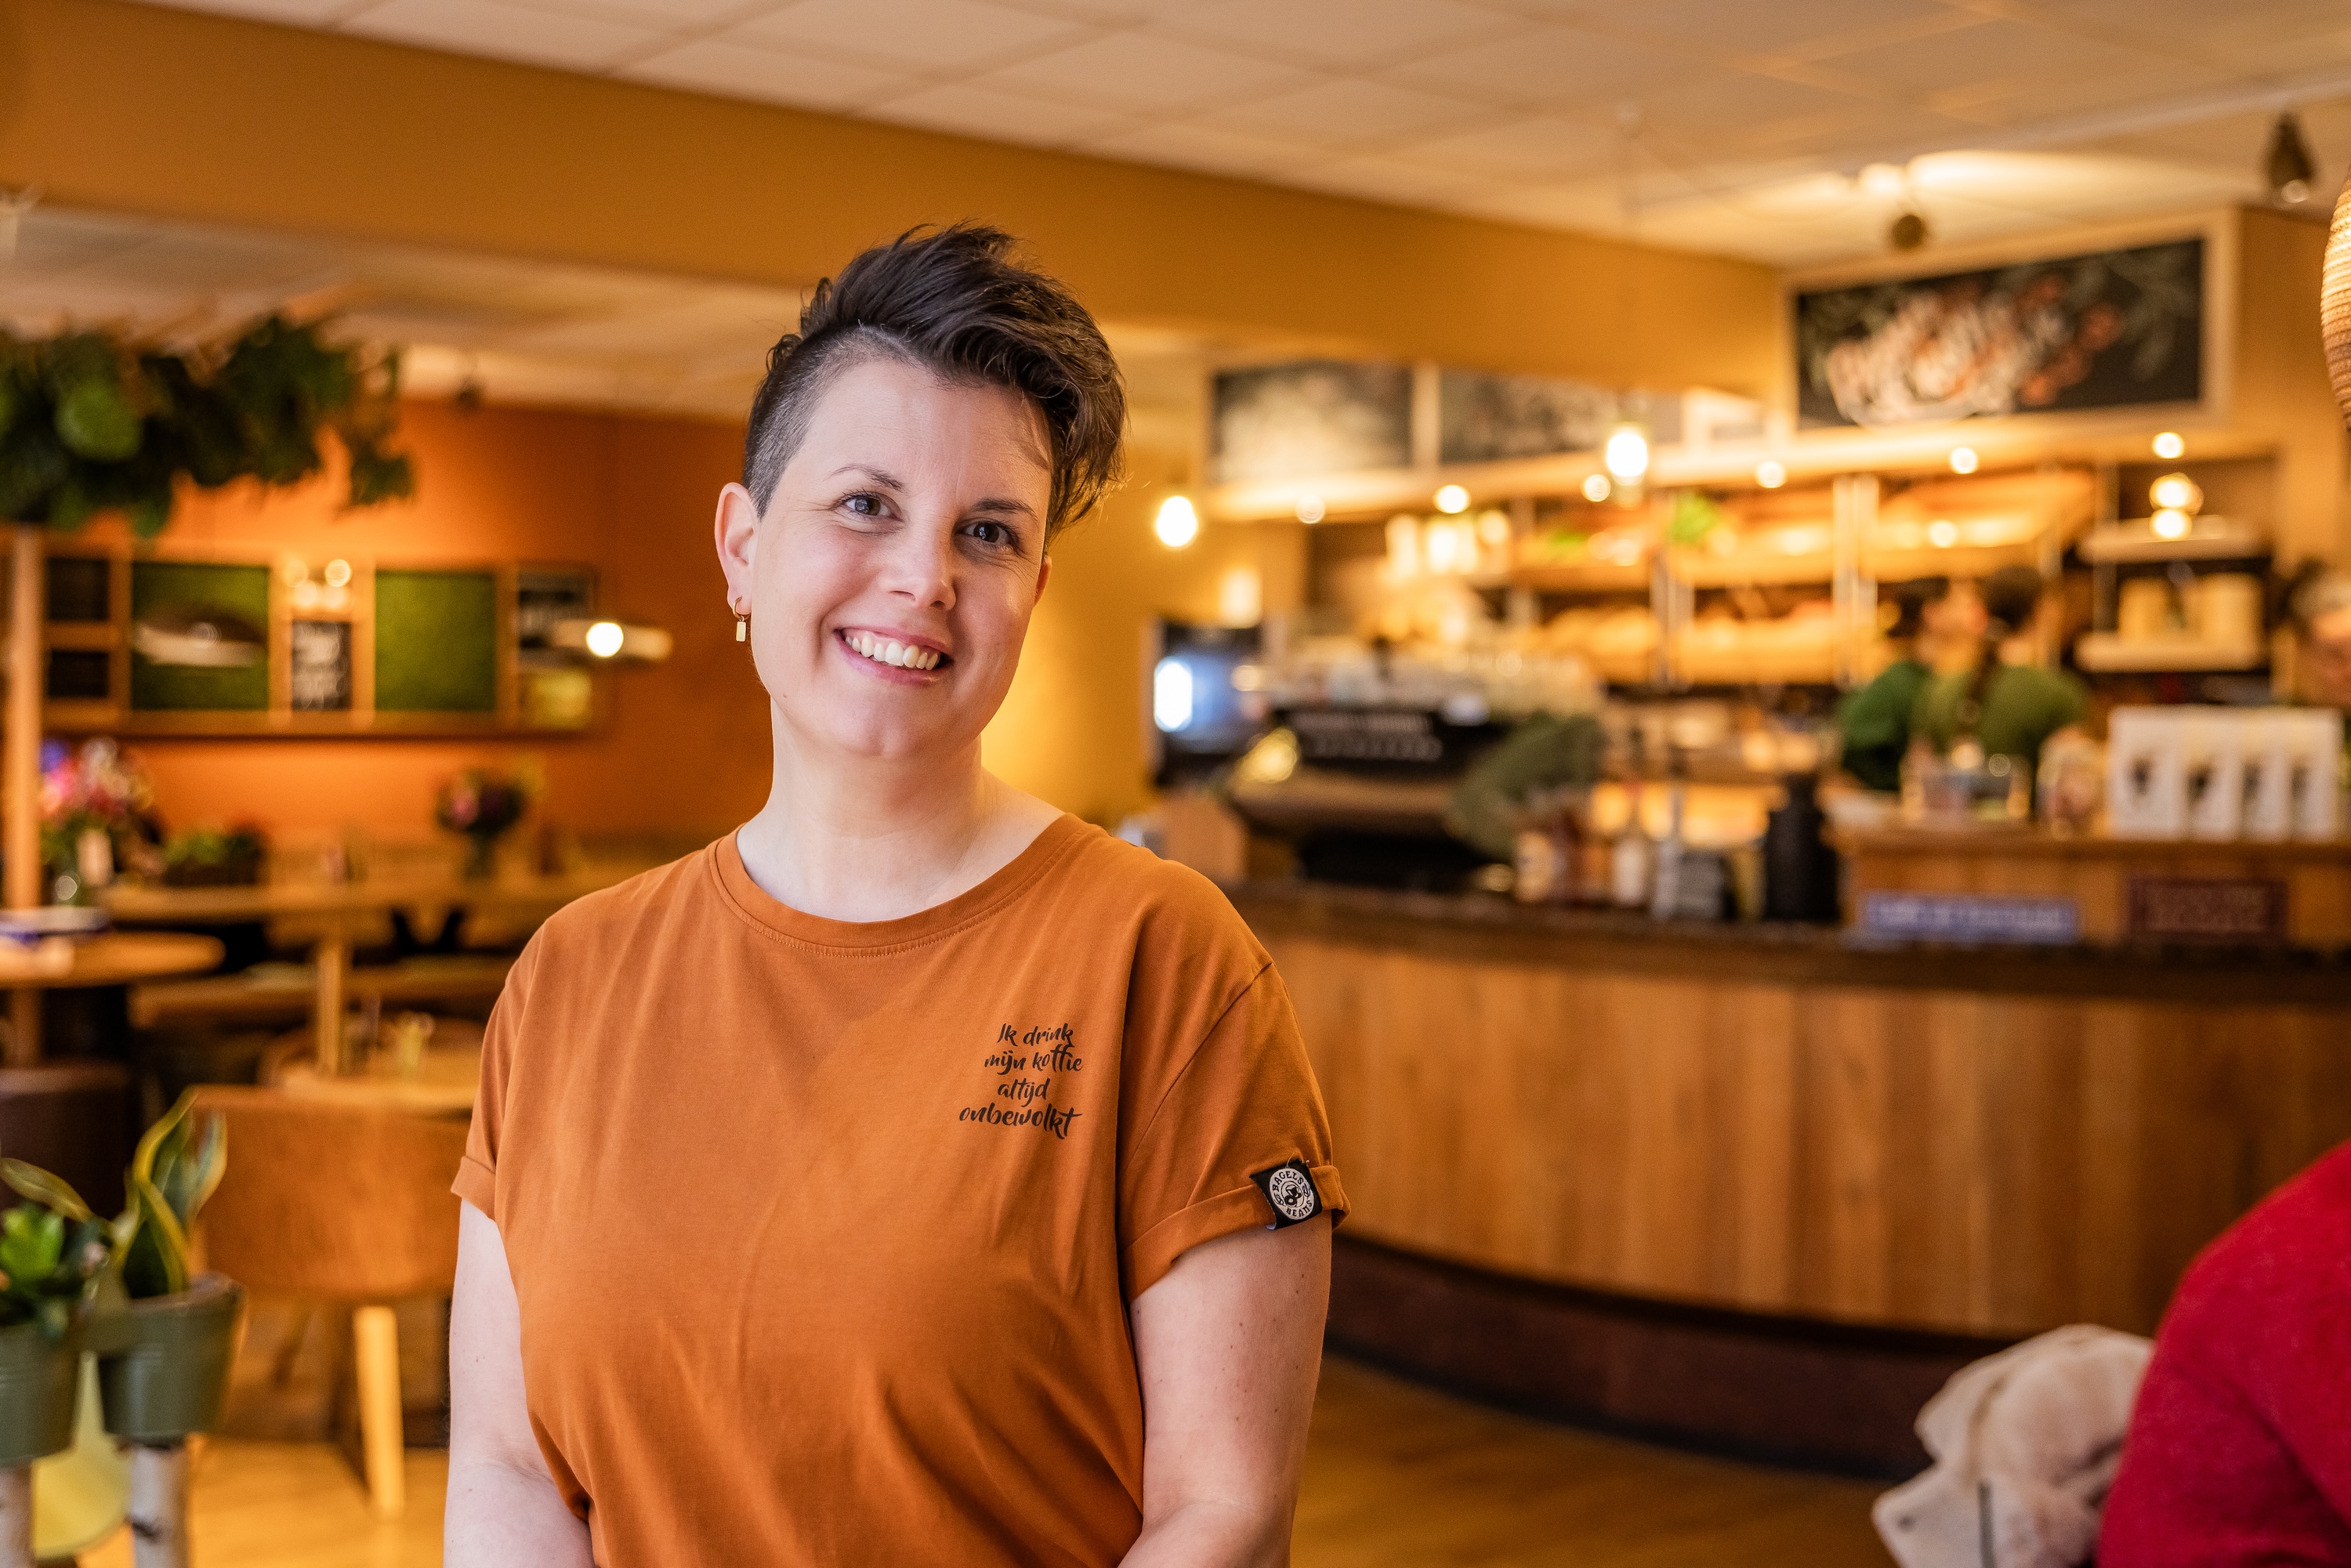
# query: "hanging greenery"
91,422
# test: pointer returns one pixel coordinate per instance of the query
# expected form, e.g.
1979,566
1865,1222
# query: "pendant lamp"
2335,302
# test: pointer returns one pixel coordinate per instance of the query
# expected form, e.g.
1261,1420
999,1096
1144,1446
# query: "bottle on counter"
1800,869
1632,857
1666,872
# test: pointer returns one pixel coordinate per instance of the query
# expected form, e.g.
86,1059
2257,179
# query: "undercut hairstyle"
1911,601
954,302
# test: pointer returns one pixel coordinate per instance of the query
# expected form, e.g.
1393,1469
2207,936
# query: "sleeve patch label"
1290,1189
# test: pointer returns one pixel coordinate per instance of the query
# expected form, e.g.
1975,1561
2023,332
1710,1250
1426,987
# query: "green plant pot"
40,1380
163,1363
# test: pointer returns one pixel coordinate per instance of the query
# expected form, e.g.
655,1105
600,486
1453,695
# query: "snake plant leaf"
44,1187
32,1239
95,419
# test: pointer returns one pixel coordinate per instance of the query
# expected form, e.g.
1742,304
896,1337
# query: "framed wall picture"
2120,328
1315,416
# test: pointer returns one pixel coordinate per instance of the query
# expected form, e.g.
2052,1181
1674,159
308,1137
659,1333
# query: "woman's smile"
900,657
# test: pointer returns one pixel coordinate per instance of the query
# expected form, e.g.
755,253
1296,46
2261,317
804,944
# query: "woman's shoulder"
1169,902
593,924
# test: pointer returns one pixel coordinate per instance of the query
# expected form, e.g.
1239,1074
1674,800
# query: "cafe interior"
1754,603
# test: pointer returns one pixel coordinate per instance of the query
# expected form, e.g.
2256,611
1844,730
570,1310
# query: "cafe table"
115,958
340,907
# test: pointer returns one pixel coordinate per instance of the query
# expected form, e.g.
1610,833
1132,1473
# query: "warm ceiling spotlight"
1596,488
1177,525
1884,180
1452,499
1494,528
1770,475
1909,231
611,641
1942,533
1626,454
1963,460
2289,167
604,638
2168,446
2176,493
338,573
2169,523
1309,508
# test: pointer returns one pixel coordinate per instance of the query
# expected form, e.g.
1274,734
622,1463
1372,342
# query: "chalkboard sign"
319,673
436,641
2114,330
197,637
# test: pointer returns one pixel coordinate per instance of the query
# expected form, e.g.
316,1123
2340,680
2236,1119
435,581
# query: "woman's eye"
863,505
991,533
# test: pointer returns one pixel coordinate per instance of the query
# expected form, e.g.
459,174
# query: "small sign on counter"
1969,917
2208,908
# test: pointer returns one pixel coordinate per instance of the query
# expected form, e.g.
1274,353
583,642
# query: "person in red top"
2240,1447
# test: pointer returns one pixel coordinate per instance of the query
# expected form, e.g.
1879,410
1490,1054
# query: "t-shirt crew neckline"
1007,882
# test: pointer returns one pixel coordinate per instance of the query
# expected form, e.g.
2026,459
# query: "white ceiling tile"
1343,33
1991,49
747,70
1389,180
1349,112
1532,147
1717,29
968,110
1550,67
507,32
1215,151
938,35
1145,76
662,14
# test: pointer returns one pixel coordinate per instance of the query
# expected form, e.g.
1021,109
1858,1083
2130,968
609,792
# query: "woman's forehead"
884,402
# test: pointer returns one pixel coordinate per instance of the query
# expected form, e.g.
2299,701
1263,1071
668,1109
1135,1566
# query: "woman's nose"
921,565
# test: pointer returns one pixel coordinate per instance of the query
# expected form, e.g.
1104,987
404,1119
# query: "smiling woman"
975,1153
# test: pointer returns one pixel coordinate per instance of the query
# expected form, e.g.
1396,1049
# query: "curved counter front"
1777,1134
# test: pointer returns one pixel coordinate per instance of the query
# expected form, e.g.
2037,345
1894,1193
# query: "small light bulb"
1178,524
2170,446
338,573
1769,475
2171,523
1494,529
1309,508
2176,493
1963,460
1596,488
1627,453
605,637
1452,499
1942,533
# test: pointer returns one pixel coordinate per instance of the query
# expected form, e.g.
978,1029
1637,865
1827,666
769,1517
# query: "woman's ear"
736,533
1044,572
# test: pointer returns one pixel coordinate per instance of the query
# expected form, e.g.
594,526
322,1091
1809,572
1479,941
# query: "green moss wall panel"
436,641
170,595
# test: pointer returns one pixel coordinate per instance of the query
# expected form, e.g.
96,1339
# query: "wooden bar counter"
1771,1133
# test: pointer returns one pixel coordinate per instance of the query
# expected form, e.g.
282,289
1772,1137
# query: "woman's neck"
880,839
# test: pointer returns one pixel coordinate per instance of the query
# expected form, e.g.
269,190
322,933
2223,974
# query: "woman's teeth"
883,651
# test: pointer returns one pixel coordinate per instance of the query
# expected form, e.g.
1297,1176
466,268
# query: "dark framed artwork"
1315,416
2116,329
1484,418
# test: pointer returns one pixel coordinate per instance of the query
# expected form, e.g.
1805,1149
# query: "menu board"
2116,329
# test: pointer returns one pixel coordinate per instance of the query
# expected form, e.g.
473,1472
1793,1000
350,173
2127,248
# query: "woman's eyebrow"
881,476
1003,503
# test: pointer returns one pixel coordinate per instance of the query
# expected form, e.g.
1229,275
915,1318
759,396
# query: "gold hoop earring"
742,625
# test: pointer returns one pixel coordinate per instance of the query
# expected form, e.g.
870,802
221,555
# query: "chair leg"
375,1336
290,1348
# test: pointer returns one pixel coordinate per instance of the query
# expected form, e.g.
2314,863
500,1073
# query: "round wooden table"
116,959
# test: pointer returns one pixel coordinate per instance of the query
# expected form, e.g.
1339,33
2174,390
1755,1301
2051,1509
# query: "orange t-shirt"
823,1232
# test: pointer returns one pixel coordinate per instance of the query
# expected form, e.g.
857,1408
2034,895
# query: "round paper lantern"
2335,302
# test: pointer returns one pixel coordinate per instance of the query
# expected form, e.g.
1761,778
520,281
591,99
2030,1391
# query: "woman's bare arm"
1229,1346
502,1511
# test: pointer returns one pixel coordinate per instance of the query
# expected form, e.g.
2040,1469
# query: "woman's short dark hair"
2009,597
1911,601
954,302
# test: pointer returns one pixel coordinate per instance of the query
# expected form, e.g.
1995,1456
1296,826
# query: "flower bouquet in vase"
484,805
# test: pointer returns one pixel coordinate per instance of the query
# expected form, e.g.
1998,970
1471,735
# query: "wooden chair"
73,1118
348,1204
